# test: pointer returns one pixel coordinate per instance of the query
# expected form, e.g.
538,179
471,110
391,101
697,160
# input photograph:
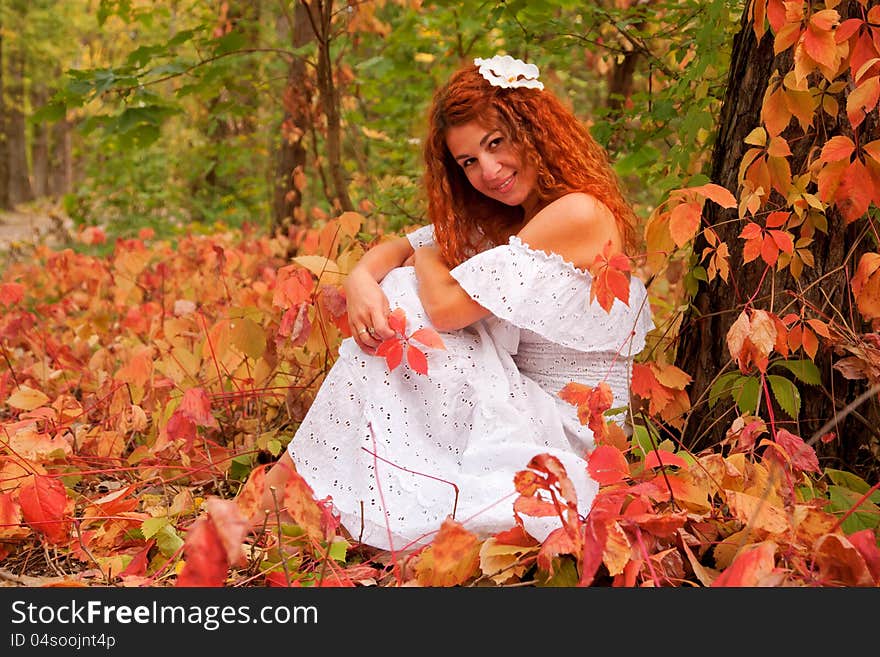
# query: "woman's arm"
366,303
446,303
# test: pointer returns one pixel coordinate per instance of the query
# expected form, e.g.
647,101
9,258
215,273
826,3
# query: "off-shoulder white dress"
488,404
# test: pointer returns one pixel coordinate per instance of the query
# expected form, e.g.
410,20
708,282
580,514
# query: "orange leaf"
300,502
840,563
416,359
452,558
607,465
43,505
751,567
684,220
865,541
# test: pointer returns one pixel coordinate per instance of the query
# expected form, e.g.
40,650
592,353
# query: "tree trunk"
321,18
702,349
20,189
61,167
40,145
295,124
4,131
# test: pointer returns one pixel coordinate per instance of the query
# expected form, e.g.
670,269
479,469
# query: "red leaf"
416,359
231,526
392,351
206,563
865,541
196,405
11,293
397,320
608,465
428,337
43,504
802,456
137,567
657,458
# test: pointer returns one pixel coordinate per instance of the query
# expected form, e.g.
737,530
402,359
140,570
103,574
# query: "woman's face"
492,164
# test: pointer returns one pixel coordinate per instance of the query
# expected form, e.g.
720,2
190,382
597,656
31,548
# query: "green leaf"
866,516
723,386
805,370
853,482
338,550
786,394
745,392
50,112
166,536
229,42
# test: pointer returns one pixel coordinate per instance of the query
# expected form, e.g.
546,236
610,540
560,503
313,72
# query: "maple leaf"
206,562
610,273
452,558
44,507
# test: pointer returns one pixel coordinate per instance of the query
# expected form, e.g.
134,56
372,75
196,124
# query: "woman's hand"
368,310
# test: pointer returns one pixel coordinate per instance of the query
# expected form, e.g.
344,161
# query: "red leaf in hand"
392,351
416,359
607,465
206,563
397,320
43,504
428,337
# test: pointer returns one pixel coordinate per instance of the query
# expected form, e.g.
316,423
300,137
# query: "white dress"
488,404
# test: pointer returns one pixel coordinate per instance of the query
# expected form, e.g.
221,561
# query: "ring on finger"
365,330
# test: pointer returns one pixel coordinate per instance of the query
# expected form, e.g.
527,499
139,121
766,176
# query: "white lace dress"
488,404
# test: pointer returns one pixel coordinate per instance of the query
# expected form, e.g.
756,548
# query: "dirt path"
33,224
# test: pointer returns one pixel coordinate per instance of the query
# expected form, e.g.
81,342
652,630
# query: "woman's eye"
495,143
466,163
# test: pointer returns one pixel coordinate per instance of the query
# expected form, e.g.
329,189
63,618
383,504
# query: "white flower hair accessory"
505,71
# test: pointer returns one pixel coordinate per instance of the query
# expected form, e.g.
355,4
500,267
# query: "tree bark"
295,124
40,145
321,14
20,189
4,130
61,163
702,350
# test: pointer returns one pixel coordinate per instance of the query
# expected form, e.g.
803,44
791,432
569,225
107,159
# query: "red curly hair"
544,132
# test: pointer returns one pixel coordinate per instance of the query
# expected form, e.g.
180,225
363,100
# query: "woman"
521,200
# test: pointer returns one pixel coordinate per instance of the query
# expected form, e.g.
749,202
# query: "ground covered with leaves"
147,385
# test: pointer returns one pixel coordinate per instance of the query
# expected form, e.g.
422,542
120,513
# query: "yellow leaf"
502,562
325,269
27,398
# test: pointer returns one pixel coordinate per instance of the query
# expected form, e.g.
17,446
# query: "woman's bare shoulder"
577,226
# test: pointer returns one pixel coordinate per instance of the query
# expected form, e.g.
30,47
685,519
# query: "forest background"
202,175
